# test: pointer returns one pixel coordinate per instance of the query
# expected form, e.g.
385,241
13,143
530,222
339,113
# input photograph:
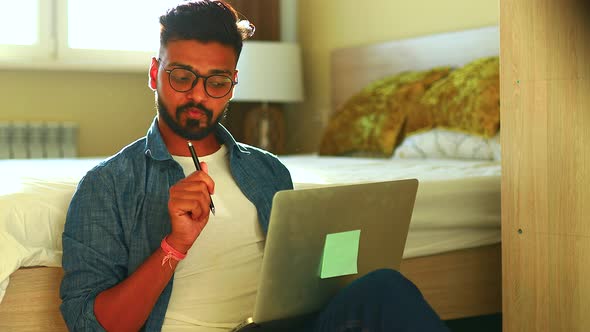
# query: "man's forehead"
211,63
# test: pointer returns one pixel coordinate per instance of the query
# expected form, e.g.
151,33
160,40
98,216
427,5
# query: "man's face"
192,114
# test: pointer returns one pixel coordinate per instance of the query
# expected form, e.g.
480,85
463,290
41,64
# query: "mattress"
457,205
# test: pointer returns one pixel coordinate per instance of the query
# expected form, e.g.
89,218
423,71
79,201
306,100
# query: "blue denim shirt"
118,217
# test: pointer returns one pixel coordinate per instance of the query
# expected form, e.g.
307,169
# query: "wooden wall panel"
545,100
265,15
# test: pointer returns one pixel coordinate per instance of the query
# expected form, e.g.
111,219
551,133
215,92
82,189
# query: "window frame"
94,58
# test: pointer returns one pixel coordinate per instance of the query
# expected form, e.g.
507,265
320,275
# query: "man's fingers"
200,176
189,186
187,199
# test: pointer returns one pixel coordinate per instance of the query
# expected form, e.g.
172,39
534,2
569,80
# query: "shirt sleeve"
94,251
283,175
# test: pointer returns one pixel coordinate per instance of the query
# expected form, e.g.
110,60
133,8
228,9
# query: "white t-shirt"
215,285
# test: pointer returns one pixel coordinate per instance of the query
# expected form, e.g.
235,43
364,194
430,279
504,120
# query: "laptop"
290,285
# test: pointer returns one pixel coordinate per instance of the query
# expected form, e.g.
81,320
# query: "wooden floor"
487,323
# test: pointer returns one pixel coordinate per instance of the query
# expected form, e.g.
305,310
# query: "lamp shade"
269,72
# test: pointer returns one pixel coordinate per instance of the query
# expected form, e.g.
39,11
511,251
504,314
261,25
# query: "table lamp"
268,72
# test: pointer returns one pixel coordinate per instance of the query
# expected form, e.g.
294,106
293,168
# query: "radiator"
27,140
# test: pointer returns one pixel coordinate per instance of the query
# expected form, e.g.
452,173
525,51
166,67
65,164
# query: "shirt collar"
156,148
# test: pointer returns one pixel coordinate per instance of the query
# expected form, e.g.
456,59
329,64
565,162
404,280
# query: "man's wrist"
177,245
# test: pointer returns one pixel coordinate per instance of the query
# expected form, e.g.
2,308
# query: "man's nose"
198,92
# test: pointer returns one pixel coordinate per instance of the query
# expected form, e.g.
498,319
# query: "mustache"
185,107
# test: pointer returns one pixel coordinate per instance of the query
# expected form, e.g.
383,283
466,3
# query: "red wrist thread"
171,253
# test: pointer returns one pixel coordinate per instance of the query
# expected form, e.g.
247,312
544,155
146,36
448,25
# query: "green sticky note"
340,254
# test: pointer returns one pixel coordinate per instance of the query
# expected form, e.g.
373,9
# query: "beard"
193,129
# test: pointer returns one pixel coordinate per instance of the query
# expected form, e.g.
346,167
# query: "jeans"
383,300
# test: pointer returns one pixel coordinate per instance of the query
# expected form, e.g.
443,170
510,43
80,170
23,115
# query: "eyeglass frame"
196,81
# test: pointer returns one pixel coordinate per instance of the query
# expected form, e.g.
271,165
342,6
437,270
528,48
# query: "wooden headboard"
355,67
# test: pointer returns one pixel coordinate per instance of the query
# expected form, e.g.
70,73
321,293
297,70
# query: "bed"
460,279
453,248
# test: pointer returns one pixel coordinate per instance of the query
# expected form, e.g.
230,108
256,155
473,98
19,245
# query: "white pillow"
34,198
444,143
31,224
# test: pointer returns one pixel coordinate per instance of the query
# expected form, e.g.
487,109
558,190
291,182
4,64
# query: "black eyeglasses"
183,80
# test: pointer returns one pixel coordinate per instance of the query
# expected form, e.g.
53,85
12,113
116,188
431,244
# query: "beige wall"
112,109
328,24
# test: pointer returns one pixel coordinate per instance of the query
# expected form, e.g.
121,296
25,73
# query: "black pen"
198,166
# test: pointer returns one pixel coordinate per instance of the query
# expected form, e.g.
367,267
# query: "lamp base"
264,127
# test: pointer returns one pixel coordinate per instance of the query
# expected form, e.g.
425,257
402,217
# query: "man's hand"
188,207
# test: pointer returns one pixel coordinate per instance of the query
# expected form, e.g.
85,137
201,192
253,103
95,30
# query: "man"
141,247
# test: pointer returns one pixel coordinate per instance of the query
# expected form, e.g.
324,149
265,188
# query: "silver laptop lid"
290,283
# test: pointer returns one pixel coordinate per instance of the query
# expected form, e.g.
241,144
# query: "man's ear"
153,74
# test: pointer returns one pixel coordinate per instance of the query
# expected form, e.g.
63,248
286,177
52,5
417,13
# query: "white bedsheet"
457,203
457,206
451,193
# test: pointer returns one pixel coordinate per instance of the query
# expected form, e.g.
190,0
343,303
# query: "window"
80,34
24,30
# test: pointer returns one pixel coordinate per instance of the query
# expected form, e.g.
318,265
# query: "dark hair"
205,21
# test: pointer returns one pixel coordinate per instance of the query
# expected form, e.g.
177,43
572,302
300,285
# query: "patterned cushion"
468,99
371,122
